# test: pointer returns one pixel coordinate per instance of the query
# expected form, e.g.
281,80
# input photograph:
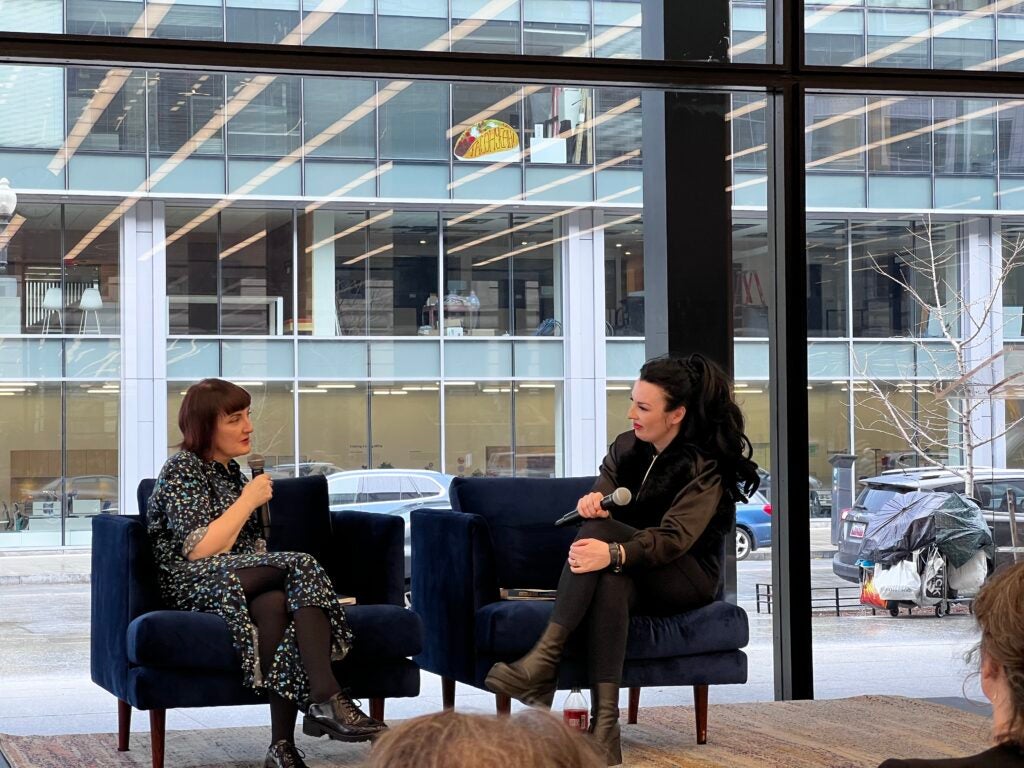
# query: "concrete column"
143,433
584,395
981,267
325,310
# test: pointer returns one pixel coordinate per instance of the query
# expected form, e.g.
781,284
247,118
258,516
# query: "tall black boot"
606,724
532,679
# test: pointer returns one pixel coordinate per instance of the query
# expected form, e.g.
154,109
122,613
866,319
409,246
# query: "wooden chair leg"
700,707
447,693
634,705
157,732
504,704
124,724
377,709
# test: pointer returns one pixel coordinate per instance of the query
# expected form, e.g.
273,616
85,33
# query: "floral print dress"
190,494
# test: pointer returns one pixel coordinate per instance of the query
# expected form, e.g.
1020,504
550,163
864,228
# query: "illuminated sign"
486,138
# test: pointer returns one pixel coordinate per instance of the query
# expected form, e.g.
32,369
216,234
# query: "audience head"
205,405
999,610
455,740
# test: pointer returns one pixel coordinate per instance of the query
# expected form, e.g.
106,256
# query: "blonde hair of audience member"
455,740
999,610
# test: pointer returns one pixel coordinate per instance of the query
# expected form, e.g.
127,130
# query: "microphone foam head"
621,496
255,461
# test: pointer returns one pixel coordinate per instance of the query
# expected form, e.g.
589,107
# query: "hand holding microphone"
593,504
259,491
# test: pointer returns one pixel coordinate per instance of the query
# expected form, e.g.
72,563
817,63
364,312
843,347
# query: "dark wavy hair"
204,402
713,422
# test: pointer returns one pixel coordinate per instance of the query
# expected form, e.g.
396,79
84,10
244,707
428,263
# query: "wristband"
616,557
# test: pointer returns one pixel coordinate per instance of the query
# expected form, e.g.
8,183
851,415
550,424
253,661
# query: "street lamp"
8,202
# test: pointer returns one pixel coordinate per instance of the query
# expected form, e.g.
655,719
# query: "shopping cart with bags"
925,550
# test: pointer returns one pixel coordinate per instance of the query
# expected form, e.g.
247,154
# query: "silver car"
390,491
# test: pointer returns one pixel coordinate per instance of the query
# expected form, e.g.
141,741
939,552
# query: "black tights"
605,600
268,607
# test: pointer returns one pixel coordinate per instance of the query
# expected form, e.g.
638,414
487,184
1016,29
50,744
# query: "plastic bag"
901,582
868,593
933,585
967,579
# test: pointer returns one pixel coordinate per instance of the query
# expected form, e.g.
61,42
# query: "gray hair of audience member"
456,740
999,610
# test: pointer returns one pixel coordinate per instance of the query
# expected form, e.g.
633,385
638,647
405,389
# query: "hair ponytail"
713,422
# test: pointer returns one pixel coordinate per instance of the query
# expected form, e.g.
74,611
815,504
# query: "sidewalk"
71,566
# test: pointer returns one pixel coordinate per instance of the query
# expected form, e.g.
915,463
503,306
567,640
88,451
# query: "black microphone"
256,466
620,497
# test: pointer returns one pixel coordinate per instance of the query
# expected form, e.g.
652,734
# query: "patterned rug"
855,732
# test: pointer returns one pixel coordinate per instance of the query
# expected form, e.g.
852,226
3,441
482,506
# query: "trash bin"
844,482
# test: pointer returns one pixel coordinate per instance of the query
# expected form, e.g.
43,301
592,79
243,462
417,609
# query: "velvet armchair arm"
453,575
367,557
123,588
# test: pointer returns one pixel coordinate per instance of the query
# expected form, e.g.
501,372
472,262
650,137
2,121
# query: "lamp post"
8,202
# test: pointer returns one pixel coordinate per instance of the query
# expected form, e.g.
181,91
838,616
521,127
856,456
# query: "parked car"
990,487
819,499
390,491
306,468
753,525
86,495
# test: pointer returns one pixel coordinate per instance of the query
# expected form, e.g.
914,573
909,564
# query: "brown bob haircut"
204,402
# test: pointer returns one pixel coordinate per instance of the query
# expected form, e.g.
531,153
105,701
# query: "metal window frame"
788,82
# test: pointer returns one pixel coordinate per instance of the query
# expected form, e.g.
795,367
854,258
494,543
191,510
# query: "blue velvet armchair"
156,659
499,534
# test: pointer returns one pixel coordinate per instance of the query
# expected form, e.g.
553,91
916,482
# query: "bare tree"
959,351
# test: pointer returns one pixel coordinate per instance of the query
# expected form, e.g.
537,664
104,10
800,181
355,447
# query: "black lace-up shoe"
340,718
284,754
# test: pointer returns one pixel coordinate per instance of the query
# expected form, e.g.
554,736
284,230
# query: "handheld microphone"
620,497
256,466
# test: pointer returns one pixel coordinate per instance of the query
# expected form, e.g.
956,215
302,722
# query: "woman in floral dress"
285,620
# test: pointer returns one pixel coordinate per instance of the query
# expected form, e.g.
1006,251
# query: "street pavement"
44,631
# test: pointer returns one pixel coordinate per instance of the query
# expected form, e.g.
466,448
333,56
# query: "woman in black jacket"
686,462
999,610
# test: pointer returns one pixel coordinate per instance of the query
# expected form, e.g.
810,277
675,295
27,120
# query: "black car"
990,491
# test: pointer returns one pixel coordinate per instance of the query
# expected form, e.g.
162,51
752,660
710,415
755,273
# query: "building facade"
393,297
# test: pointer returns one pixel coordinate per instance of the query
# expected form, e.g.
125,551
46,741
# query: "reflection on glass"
752,270
943,34
828,418
91,272
495,262
880,446
30,285
538,443
256,272
405,424
180,104
193,267
333,425
892,260
617,401
624,279
401,272
91,482
476,300
826,278
31,482
478,429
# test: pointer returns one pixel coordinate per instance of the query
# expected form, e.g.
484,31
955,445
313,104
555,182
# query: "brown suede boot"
606,723
532,679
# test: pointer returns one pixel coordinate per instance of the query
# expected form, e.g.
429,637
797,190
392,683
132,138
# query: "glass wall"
580,28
